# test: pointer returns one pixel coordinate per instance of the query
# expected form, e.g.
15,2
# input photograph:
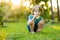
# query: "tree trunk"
52,10
58,11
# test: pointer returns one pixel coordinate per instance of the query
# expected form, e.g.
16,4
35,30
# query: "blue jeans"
35,28
28,28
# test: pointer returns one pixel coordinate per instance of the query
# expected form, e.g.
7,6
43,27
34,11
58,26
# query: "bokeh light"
26,3
16,2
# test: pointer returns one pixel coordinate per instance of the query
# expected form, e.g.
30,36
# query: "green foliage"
1,14
1,18
4,9
45,0
46,14
25,12
38,1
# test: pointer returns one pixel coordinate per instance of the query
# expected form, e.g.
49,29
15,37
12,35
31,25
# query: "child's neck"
37,17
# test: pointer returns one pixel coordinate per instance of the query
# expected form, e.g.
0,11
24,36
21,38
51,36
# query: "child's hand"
35,15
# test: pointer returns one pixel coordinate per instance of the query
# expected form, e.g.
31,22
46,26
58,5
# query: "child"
35,21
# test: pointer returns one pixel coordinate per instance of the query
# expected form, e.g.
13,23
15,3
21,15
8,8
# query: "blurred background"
16,9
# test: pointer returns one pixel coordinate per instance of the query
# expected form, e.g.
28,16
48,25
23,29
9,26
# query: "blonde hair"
37,7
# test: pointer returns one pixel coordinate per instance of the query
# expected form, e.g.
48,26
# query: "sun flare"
16,2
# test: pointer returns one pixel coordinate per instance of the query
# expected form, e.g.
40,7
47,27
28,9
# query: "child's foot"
38,30
32,32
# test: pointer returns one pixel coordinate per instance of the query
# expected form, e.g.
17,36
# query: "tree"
58,11
1,14
4,9
52,10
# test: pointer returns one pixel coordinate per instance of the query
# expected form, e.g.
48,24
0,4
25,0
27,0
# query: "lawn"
19,31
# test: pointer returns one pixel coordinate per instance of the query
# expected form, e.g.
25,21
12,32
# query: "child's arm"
30,20
42,21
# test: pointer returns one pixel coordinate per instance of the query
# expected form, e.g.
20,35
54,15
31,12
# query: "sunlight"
49,3
31,6
45,7
27,4
54,3
56,27
16,2
6,1
0,0
59,2
12,7
42,3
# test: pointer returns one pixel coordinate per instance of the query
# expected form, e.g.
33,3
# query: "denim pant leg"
35,28
29,28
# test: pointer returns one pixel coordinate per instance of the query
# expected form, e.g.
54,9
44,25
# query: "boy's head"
36,10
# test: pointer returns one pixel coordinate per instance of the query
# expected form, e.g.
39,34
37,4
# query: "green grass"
19,31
